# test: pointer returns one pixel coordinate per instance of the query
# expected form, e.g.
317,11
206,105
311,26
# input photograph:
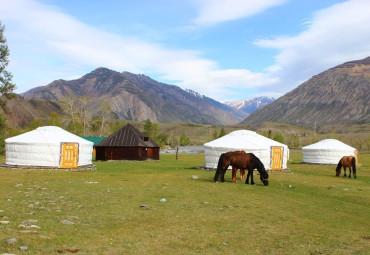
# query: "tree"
279,138
95,125
269,134
54,120
2,134
162,139
68,104
84,112
215,135
184,140
6,85
105,113
78,112
35,123
148,127
222,132
294,141
116,124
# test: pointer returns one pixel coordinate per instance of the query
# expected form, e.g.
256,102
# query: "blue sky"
224,49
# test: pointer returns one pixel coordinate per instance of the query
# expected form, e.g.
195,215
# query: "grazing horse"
241,161
235,169
346,161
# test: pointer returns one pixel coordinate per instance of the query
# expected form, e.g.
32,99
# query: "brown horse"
235,170
241,161
346,161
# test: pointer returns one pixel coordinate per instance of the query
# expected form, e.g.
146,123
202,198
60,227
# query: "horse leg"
223,171
234,174
242,174
350,171
345,174
247,180
216,175
249,174
252,182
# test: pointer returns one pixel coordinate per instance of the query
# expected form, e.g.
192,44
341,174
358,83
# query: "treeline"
80,117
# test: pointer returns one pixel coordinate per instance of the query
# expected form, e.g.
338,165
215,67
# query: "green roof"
94,139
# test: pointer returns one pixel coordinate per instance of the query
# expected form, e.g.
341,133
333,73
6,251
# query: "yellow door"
277,158
69,155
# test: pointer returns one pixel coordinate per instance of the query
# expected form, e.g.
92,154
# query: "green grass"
305,211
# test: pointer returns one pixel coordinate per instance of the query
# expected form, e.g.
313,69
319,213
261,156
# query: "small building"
48,147
127,143
273,155
327,151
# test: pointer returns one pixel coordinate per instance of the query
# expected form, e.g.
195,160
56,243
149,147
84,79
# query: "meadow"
172,207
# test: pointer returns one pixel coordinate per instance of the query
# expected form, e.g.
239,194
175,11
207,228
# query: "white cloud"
55,45
47,44
335,35
212,12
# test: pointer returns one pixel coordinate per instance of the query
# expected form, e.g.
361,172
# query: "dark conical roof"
127,136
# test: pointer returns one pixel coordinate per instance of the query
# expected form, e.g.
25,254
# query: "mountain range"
250,105
138,97
336,96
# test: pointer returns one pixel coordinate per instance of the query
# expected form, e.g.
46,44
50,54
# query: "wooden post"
177,152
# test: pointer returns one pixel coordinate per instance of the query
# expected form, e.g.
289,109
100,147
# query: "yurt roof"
47,135
328,144
242,139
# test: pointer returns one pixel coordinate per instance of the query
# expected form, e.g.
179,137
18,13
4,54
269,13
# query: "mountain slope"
21,112
338,95
138,97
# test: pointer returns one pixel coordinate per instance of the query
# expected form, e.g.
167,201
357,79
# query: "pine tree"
6,85
222,132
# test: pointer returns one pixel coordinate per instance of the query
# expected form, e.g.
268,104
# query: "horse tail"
339,167
354,166
219,167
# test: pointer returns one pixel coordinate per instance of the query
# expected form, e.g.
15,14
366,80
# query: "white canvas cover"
42,147
246,140
328,151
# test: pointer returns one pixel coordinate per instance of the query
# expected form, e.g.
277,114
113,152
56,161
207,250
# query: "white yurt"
328,151
48,146
274,155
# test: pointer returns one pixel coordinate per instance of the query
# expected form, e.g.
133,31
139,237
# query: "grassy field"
303,211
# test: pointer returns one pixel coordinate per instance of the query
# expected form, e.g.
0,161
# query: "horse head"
262,171
339,167
264,177
337,171
263,174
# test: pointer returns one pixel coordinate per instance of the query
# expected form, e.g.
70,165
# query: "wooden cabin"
127,143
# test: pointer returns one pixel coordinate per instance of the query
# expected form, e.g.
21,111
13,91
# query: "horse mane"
339,166
259,165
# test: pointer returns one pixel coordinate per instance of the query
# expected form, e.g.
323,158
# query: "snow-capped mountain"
250,105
